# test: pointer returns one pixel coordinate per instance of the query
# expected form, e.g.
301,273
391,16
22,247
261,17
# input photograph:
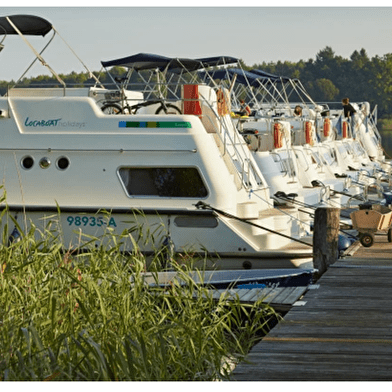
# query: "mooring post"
325,237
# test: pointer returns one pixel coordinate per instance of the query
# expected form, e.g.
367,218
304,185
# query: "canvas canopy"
146,61
217,60
179,65
139,61
26,24
243,77
267,75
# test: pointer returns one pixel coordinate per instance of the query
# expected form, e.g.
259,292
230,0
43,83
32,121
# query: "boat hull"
198,237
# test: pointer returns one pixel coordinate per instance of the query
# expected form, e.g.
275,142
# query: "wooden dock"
342,331
280,298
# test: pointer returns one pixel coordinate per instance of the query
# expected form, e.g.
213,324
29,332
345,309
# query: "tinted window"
163,182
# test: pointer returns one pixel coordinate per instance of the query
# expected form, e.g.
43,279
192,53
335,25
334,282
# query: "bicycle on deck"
117,103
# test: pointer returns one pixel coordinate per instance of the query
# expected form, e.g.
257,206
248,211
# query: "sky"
253,33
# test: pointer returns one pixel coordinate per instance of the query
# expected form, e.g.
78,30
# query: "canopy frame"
30,25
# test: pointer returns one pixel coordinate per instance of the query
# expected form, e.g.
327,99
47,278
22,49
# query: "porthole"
44,163
62,163
27,162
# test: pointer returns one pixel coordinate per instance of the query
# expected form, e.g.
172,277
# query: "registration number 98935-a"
90,221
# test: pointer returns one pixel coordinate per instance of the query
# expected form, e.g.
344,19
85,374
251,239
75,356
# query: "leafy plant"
67,315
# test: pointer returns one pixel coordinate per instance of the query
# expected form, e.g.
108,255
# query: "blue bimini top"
26,24
147,61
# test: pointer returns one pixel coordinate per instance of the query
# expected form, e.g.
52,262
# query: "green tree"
381,82
359,59
325,90
359,76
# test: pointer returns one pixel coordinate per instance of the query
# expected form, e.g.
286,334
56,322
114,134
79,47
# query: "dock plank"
254,294
326,316
316,368
242,293
314,347
317,331
294,295
282,296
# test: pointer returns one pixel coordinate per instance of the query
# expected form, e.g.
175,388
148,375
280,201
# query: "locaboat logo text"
53,123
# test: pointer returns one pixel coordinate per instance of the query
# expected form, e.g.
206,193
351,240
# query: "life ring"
327,127
345,129
308,133
278,135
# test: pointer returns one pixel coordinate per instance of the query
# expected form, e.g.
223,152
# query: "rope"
387,155
40,58
27,70
90,73
284,212
204,206
282,195
293,201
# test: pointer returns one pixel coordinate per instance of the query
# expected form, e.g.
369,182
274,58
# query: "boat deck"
342,331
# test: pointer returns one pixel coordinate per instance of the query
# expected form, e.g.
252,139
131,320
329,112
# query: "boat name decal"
53,123
89,221
41,123
154,124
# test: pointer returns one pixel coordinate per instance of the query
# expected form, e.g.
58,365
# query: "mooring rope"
204,206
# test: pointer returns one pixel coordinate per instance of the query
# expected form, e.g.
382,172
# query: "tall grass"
66,315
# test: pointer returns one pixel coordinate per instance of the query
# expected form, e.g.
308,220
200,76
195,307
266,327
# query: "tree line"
328,78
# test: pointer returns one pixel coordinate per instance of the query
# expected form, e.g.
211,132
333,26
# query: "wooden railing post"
325,237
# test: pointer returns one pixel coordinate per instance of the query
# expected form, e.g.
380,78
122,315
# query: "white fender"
365,108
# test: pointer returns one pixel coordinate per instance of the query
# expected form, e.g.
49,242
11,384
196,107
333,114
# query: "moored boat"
158,178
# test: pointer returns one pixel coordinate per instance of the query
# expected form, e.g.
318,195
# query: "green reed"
69,315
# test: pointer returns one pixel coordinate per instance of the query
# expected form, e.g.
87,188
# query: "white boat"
283,148
310,151
183,182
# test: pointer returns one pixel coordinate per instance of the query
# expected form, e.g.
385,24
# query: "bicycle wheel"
128,110
168,109
111,108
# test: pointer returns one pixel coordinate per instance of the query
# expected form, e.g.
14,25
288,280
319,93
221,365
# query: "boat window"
342,150
163,182
359,150
319,159
316,158
27,162
348,148
196,221
328,158
62,163
288,166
